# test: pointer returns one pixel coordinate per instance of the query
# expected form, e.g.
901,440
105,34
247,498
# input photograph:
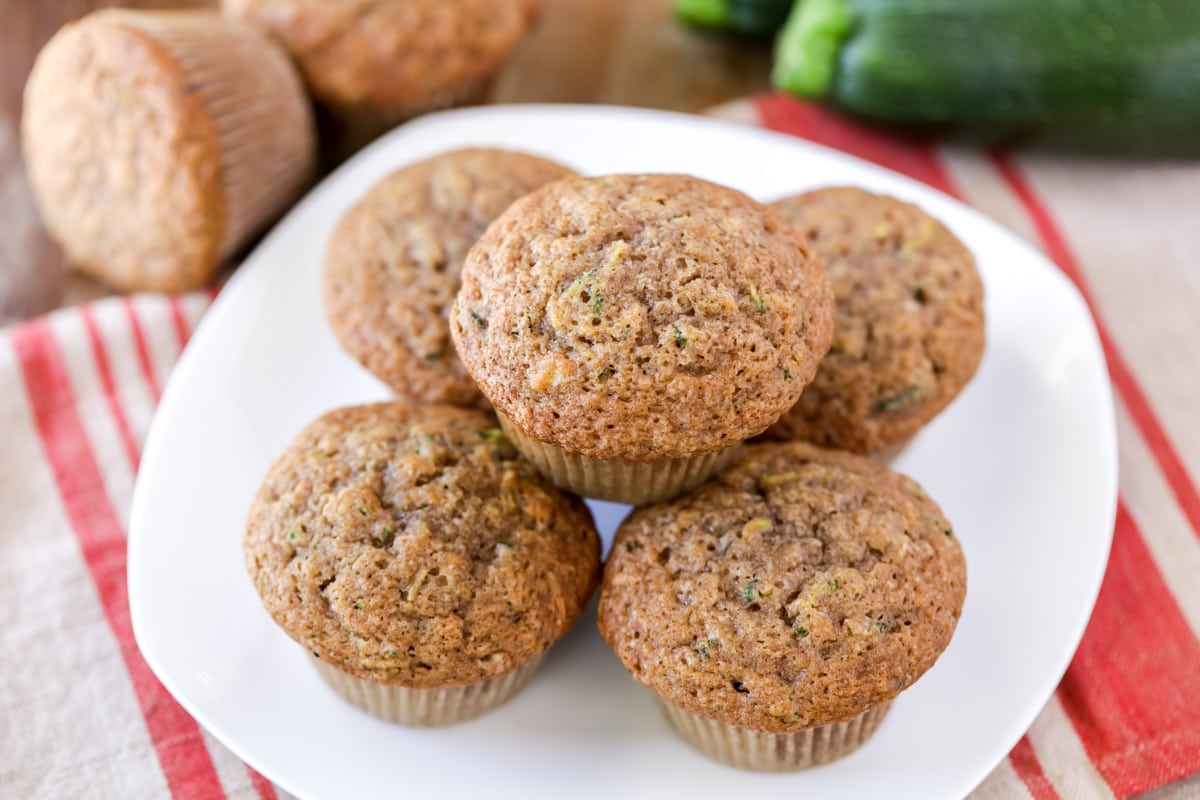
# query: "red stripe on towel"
265,789
1029,769
1128,691
784,114
143,350
178,321
104,368
1138,405
182,755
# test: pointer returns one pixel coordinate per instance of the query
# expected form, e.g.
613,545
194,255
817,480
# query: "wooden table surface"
626,52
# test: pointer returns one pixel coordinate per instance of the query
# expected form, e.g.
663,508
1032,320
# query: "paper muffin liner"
255,100
889,453
772,752
633,482
425,707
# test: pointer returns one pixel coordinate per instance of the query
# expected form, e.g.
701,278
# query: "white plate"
1024,463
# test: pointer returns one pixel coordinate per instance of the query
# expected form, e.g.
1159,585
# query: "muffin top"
122,158
802,587
641,317
392,268
908,331
411,545
386,53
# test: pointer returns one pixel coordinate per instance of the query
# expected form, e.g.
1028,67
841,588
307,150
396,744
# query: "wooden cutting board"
625,52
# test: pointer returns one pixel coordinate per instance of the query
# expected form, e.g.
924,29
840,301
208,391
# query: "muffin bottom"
632,482
425,707
773,752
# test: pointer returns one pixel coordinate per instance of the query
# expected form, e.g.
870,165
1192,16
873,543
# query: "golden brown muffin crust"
641,317
393,265
411,545
909,324
802,587
116,147
387,53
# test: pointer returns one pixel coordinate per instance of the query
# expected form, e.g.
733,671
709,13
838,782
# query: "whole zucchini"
1112,76
753,17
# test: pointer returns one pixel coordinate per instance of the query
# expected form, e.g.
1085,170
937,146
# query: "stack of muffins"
547,335
657,340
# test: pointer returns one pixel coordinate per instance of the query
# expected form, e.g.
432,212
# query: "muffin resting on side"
632,328
779,608
159,142
908,332
377,62
393,264
424,564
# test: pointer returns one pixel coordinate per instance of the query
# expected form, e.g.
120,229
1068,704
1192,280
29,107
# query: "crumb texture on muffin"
641,317
800,588
393,264
411,545
386,53
909,324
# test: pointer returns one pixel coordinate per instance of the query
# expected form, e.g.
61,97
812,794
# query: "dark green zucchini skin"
751,17
1104,76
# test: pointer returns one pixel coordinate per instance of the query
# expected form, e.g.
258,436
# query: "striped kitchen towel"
84,716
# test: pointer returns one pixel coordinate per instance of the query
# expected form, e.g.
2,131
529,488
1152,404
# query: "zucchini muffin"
159,142
374,63
777,610
420,560
392,268
631,329
908,332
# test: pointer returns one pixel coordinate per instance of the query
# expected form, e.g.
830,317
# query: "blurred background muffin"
374,63
158,142
630,52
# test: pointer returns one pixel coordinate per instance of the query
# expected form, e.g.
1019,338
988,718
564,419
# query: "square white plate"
1024,464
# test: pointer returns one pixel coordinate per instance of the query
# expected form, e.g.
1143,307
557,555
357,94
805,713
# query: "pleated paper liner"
772,752
255,100
633,482
426,707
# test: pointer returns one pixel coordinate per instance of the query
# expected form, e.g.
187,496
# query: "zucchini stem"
806,52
